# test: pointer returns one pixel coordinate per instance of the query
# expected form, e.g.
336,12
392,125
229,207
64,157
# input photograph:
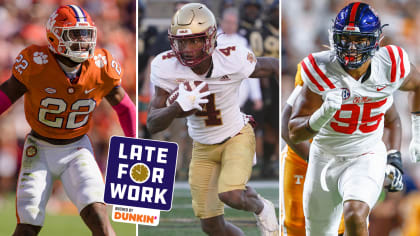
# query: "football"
189,86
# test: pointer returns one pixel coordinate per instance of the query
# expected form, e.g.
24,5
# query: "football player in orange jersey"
294,165
63,83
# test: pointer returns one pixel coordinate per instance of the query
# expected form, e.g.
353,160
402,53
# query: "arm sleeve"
5,102
126,112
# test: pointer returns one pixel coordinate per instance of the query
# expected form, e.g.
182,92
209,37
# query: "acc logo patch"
251,58
31,151
345,93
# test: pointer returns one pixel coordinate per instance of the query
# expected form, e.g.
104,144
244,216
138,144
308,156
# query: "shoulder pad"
110,67
314,71
395,61
30,61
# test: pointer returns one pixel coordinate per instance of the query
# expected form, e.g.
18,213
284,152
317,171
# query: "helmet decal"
80,15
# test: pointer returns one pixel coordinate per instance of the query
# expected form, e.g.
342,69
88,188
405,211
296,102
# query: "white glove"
189,100
393,179
415,138
332,103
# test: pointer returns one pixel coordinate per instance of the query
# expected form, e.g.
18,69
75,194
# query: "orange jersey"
55,107
411,214
290,153
293,178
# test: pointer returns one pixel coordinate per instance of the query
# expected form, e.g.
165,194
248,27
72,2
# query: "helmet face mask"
71,33
193,34
79,42
191,49
353,50
356,35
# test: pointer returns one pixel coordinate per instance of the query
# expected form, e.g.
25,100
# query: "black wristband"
394,158
415,112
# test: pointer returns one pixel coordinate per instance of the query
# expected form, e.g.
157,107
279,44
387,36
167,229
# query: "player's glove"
415,138
189,100
332,103
394,172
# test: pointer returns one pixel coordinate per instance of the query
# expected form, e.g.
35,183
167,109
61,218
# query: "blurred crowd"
250,23
23,24
305,26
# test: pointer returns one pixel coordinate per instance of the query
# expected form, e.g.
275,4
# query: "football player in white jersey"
345,95
224,141
294,165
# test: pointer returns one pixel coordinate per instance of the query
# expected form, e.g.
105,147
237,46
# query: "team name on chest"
360,96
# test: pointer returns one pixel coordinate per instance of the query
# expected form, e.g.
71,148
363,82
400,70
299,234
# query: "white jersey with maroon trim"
359,123
221,117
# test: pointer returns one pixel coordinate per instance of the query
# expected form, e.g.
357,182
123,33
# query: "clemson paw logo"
100,61
40,58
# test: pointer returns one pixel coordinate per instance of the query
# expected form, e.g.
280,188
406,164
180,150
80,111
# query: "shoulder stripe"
393,61
402,69
320,73
313,80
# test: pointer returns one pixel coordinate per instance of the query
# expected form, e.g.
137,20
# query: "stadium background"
397,213
155,17
23,24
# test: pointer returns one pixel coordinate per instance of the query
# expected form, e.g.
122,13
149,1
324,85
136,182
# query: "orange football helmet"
71,33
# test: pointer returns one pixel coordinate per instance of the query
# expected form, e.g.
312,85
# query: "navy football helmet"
356,34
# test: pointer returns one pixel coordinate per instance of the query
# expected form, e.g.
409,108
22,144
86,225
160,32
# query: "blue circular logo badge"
345,93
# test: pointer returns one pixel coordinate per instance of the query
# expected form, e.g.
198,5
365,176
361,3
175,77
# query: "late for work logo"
140,173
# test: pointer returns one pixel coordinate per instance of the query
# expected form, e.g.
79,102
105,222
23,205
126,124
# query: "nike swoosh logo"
380,89
88,91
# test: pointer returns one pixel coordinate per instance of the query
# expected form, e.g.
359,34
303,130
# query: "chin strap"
5,102
127,116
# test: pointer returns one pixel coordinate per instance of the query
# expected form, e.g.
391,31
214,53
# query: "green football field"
179,221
